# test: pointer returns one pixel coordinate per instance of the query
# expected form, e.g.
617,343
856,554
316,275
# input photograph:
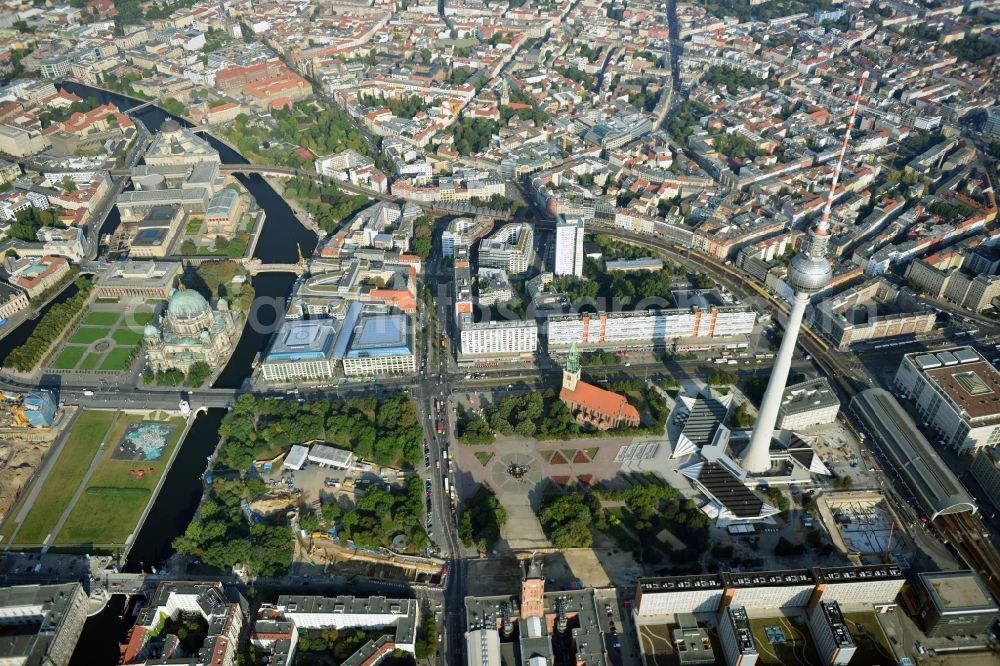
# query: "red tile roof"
599,400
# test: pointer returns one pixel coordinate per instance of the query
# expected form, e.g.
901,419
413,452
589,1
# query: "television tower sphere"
810,270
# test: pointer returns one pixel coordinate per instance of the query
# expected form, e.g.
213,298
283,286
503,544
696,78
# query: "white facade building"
498,338
647,328
736,637
510,248
679,594
344,612
569,246
956,393
809,403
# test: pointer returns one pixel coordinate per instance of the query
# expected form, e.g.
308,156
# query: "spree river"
173,509
278,244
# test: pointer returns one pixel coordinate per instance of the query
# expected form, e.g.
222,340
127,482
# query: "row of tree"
26,356
195,376
402,106
380,515
473,134
27,222
599,289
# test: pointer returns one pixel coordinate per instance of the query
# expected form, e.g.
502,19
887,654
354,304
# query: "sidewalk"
79,489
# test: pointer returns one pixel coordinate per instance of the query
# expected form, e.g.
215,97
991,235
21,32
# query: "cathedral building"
191,331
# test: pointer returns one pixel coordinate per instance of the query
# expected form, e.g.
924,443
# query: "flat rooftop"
975,387
958,591
304,339
807,396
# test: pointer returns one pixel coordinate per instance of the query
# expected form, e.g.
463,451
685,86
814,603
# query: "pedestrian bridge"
255,267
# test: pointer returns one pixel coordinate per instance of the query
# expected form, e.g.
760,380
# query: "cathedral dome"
187,304
150,331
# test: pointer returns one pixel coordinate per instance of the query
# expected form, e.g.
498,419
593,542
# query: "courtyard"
107,339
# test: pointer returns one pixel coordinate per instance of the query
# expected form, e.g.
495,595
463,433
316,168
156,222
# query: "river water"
280,239
173,509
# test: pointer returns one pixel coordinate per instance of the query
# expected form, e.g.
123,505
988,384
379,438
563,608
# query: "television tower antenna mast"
810,271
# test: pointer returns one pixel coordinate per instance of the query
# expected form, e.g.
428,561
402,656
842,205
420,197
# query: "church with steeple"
592,405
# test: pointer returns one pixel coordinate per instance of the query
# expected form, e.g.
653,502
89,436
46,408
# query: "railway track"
966,533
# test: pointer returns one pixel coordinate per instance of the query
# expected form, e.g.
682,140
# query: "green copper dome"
187,304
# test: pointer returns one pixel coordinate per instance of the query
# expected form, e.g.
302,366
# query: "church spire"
571,373
573,359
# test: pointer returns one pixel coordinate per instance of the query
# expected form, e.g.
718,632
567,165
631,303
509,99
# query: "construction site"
864,528
29,423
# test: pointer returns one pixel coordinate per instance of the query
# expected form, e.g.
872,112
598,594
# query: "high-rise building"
830,633
737,638
569,246
41,623
809,272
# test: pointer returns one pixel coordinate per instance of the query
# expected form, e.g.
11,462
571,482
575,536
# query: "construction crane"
887,555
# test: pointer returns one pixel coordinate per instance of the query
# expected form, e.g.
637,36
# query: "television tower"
809,272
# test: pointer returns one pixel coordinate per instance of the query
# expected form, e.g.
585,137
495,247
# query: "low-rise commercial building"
498,340
955,603
380,345
874,310
809,403
302,350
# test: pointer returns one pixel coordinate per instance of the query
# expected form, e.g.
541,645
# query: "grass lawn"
117,359
141,318
125,336
91,361
68,358
100,318
193,227
484,457
114,500
798,648
64,478
88,334
873,646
